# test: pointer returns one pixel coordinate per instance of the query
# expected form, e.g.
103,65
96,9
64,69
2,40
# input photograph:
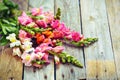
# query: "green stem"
33,30
84,42
66,58
69,59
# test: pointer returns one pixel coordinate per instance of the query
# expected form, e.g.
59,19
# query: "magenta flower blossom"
45,57
58,49
76,36
55,24
37,11
24,19
58,34
64,29
41,23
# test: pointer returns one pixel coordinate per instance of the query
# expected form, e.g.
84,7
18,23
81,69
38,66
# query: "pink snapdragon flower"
28,58
23,36
37,11
45,57
76,36
58,49
24,19
40,55
49,17
58,34
63,28
41,23
29,55
55,24
43,47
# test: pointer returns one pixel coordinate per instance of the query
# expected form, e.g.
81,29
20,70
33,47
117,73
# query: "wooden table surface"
93,18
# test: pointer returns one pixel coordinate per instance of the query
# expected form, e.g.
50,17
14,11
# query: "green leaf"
10,4
3,29
10,29
3,7
5,21
3,41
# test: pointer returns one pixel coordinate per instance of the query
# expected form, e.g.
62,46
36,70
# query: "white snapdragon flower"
11,37
16,51
57,60
27,45
13,40
17,43
31,50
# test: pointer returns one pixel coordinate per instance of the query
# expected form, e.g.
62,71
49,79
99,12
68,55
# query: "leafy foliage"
8,20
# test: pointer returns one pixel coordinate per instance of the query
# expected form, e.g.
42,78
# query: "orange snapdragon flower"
47,40
40,38
48,34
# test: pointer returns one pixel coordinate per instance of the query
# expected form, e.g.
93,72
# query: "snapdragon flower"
24,19
58,49
37,11
57,59
16,51
12,37
17,43
13,40
27,45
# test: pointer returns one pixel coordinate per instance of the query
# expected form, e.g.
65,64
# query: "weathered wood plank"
23,4
11,67
113,8
99,57
71,17
46,73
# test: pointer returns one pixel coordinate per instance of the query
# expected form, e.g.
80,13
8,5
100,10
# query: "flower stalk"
66,58
85,42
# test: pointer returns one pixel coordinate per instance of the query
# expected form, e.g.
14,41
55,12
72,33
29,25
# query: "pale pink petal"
37,11
57,60
49,17
41,23
58,49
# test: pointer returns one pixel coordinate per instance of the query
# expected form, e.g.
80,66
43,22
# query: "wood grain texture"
99,57
23,4
71,17
10,67
113,8
47,72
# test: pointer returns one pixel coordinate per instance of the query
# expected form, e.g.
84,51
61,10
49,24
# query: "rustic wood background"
93,18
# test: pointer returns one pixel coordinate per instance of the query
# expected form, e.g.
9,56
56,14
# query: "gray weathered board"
99,57
93,18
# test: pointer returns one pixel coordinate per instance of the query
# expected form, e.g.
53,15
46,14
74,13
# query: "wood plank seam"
111,36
